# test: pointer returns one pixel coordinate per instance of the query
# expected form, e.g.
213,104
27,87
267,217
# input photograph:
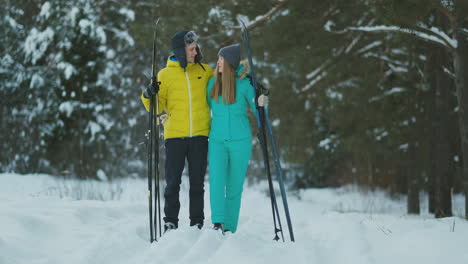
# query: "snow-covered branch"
37,43
317,71
264,18
449,72
433,34
258,21
394,90
314,81
370,46
316,75
321,72
353,43
440,34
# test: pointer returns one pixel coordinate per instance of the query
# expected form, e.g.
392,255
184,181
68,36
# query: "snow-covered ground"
45,220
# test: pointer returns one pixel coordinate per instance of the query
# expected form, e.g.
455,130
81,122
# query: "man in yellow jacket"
182,94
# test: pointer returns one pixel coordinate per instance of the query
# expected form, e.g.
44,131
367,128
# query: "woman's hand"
262,100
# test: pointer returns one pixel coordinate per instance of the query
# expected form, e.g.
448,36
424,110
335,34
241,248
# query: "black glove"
261,88
152,88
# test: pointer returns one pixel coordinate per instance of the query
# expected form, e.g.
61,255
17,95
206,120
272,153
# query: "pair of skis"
265,132
153,161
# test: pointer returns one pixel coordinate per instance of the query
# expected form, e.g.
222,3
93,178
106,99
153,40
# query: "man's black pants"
195,150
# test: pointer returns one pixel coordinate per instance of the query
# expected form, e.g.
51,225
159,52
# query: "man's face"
191,52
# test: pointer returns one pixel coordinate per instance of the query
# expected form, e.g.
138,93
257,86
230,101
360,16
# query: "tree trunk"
431,116
443,87
413,182
370,168
461,73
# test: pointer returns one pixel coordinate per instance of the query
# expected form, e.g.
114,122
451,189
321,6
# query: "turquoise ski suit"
229,151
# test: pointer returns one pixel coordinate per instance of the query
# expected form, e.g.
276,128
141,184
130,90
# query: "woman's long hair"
225,84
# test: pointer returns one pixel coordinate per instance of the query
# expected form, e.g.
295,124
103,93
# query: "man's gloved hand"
262,100
152,88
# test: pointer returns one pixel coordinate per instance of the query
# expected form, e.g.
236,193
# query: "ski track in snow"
39,227
334,238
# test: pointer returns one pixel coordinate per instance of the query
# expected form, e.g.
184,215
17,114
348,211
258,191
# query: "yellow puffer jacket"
183,95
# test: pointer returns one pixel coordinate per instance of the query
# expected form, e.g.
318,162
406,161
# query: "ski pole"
280,175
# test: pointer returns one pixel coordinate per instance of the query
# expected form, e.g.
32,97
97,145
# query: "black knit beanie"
179,41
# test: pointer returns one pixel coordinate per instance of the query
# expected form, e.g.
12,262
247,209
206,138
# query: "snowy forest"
366,92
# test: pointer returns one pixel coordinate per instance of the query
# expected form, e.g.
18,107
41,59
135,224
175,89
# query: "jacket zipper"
190,101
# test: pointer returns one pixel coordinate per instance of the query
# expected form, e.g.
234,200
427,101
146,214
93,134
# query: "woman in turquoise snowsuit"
230,138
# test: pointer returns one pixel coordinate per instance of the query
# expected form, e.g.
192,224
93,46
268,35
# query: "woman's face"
220,64
191,52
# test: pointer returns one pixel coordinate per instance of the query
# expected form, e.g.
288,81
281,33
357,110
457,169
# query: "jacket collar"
173,62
